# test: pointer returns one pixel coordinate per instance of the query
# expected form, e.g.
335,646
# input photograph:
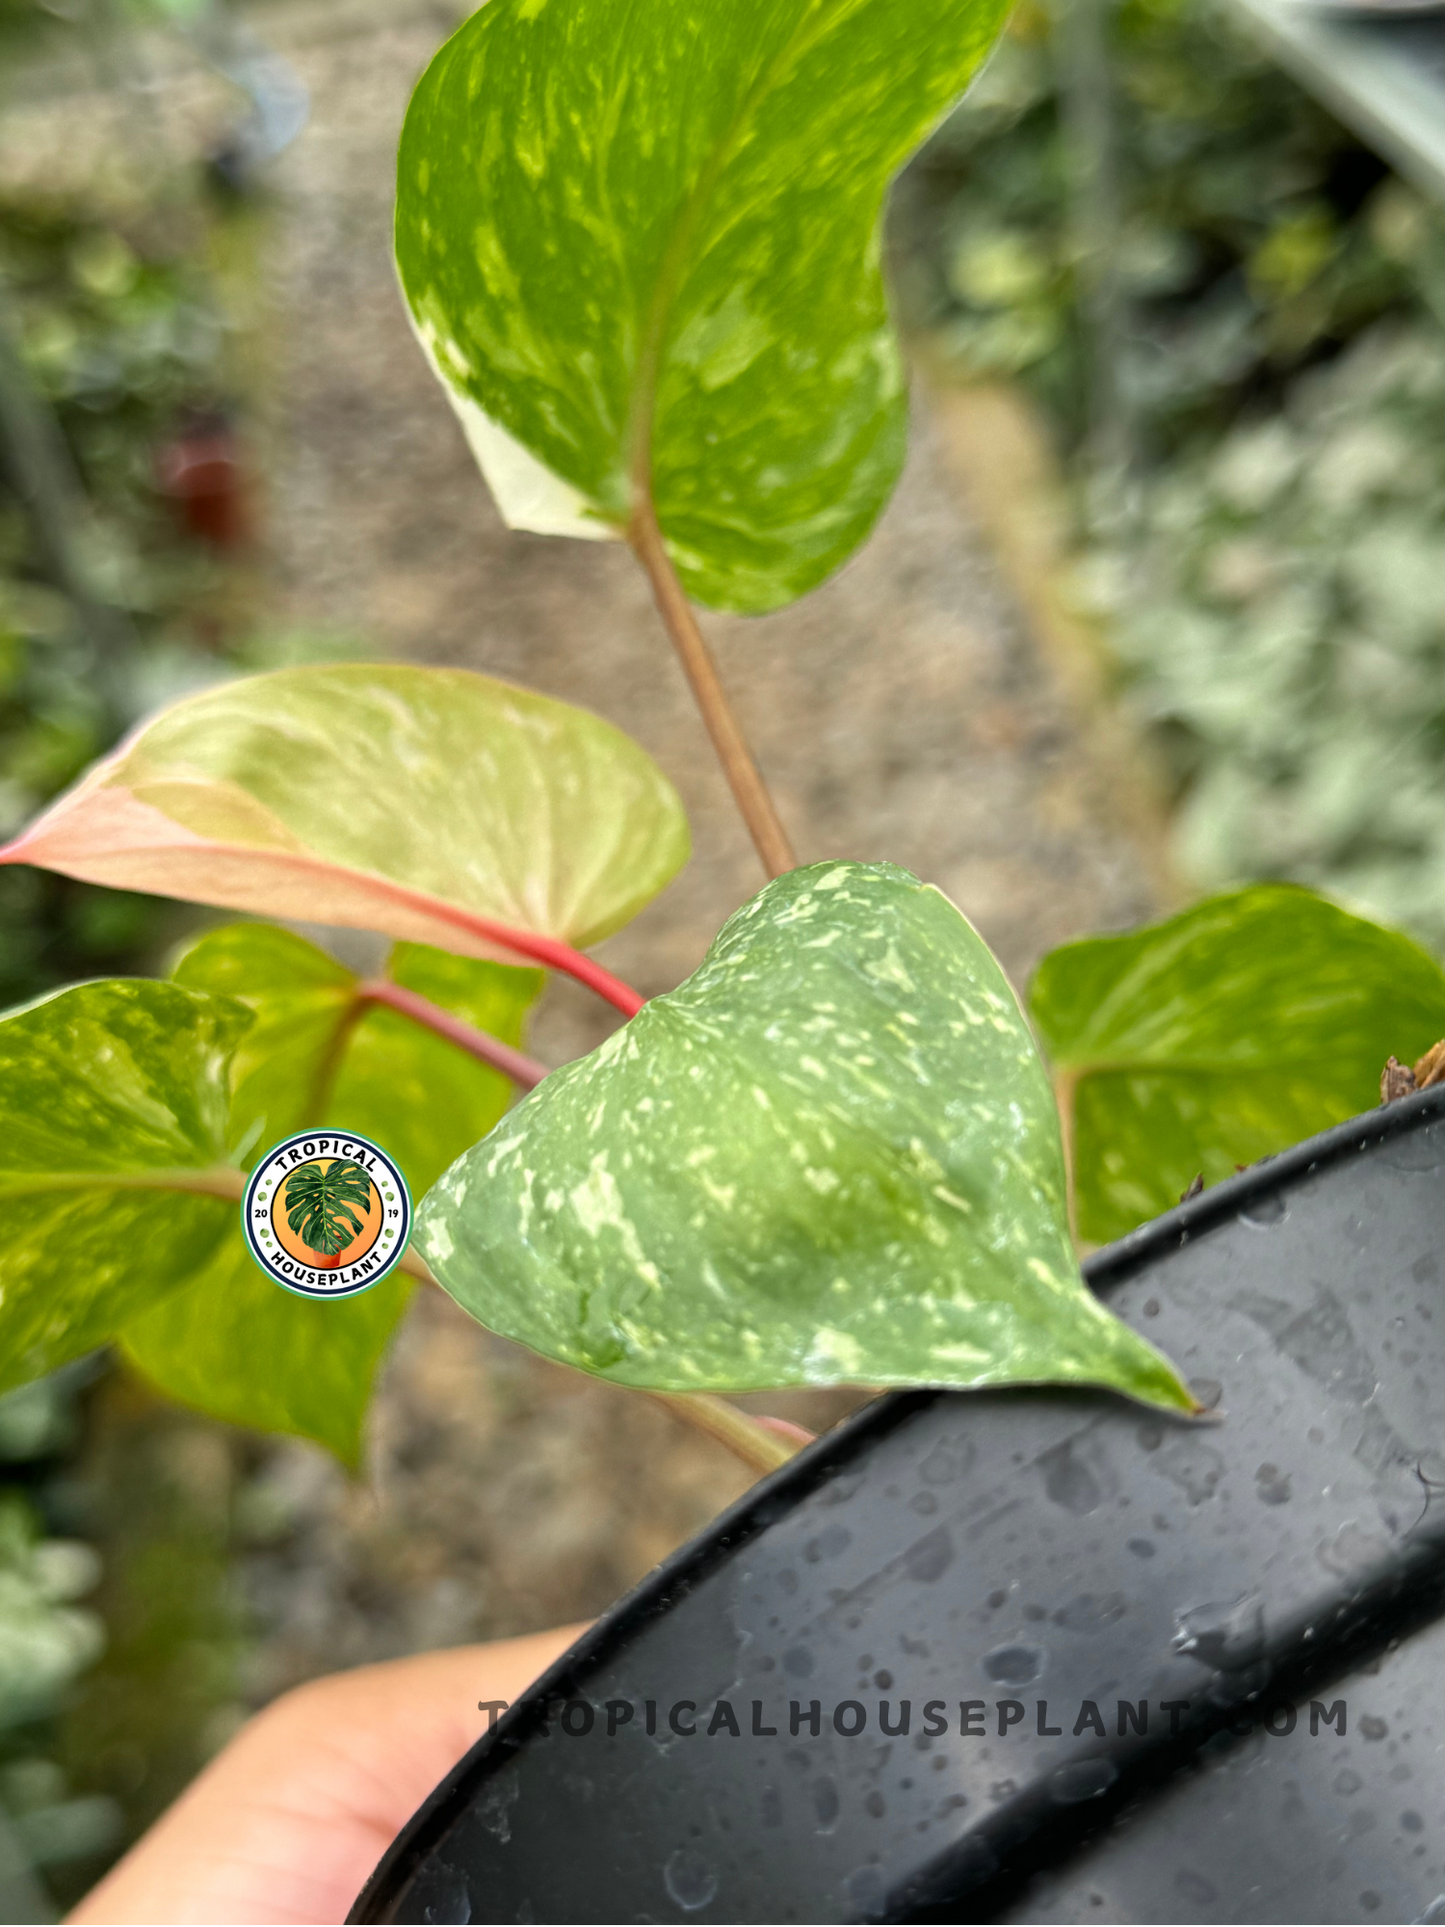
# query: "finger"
288,1821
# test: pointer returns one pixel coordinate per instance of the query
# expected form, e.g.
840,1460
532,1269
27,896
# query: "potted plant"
642,253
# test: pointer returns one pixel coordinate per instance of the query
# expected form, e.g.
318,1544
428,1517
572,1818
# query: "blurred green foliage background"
1259,523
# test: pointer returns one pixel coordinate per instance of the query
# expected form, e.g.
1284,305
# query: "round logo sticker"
326,1215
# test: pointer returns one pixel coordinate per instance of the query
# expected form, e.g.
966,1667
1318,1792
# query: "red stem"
524,1071
556,955
550,952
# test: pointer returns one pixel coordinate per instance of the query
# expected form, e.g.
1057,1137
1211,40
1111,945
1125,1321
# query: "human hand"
285,1824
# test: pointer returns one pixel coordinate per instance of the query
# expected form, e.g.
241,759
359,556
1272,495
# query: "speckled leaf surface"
641,246
435,805
234,1344
1223,1035
112,1096
832,1155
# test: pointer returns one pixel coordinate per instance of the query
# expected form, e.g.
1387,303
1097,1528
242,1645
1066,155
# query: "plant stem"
1065,1086
759,1448
553,954
524,1071
745,779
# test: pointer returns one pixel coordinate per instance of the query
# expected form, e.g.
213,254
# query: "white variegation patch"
527,493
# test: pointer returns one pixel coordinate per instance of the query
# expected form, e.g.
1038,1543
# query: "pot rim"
777,1492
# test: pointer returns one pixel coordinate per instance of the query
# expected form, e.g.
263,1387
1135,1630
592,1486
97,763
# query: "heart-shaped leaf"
231,1342
115,1182
433,804
641,247
1223,1035
831,1156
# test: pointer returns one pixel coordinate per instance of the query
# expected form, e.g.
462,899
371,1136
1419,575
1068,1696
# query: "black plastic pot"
1034,1547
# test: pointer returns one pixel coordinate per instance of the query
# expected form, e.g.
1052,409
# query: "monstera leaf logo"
319,1201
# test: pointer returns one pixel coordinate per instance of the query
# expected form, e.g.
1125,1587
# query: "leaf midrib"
670,273
218,1181
225,1181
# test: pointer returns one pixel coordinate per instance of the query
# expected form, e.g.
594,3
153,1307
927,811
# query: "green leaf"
831,1156
113,1115
234,1344
1223,1035
237,1346
641,246
435,805
317,1055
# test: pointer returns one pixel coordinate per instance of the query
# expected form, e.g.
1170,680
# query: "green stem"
759,1447
745,779
1066,1085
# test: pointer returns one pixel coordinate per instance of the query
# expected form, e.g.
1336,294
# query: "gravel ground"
902,711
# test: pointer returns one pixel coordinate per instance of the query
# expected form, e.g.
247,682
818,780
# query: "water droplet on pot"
825,1802
1196,1468
840,1489
690,1881
1068,1481
1195,1887
930,1558
866,1893
1242,1684
1419,1151
1014,1665
1351,1550
1263,1214
1272,1485
945,1463
1090,1612
1081,1780
1225,1636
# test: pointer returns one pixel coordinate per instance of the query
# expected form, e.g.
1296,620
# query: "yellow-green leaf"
234,1344
113,1160
435,805
1222,1035
320,1054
